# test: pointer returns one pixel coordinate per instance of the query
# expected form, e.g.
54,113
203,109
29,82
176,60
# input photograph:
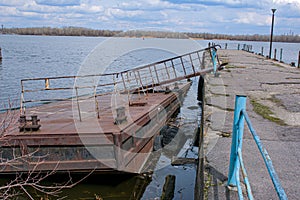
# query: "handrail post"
237,136
214,60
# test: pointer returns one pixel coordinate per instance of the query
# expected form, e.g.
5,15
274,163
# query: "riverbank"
81,31
272,89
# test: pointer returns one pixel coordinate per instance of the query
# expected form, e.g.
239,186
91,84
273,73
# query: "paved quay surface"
267,85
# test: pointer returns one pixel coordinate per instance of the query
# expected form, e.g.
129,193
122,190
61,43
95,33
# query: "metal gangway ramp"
140,79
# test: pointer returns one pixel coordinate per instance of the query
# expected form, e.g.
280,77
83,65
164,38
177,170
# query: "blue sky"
213,16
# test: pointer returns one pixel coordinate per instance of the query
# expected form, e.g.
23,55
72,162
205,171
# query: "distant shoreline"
79,31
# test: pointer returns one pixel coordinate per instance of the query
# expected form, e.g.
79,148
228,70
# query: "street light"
271,40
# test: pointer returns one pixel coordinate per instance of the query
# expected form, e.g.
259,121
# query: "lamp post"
271,39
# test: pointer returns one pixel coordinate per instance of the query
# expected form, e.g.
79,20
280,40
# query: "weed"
265,112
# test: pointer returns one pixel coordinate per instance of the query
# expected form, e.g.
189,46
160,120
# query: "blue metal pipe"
237,138
239,188
214,60
245,176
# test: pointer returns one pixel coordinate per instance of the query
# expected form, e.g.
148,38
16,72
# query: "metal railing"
139,79
236,160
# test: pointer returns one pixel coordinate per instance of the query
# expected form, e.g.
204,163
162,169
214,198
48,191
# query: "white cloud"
252,18
179,15
286,1
14,2
8,11
87,8
58,2
151,5
118,13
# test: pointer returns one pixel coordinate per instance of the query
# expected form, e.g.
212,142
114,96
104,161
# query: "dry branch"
34,179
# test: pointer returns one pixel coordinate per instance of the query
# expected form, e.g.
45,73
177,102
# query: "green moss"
207,184
265,112
226,134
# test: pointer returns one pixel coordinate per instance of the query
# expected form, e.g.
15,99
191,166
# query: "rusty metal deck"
66,143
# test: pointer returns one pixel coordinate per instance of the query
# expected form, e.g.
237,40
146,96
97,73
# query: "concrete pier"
273,105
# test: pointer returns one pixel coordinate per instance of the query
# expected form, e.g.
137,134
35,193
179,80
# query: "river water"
47,56
40,56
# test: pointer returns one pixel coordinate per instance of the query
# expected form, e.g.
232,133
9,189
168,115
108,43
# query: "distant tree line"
65,31
79,31
154,34
255,37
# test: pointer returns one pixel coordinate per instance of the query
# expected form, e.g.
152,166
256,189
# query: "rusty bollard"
167,90
29,125
34,120
22,123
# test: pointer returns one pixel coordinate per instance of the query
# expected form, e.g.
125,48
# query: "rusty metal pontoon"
108,125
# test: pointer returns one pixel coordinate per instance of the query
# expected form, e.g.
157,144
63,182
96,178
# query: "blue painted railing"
236,159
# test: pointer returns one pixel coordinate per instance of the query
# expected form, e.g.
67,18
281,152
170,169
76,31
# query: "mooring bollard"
280,55
275,51
299,60
293,64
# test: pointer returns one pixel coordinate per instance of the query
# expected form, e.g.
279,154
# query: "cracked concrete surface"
272,84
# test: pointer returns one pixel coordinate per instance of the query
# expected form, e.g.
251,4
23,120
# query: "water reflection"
94,187
110,187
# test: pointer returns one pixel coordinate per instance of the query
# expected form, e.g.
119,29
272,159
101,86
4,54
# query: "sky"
211,16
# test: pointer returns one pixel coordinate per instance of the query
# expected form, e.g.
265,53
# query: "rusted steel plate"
87,165
59,133
57,140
